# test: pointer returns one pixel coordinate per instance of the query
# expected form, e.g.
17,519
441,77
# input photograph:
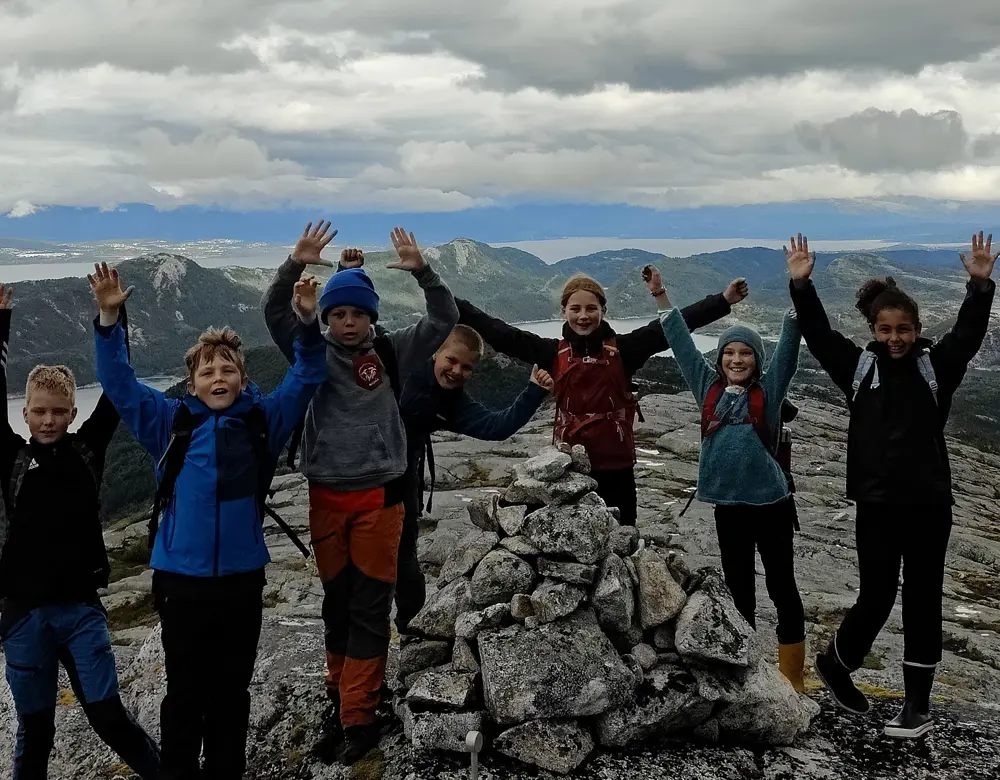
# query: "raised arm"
508,340
957,347
145,411
415,344
785,360
9,440
836,353
475,420
98,429
697,372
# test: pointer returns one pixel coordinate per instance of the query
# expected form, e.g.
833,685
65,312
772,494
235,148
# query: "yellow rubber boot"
791,662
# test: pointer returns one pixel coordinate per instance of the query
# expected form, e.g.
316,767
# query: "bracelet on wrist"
658,293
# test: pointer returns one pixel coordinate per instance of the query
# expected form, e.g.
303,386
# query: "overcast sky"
439,105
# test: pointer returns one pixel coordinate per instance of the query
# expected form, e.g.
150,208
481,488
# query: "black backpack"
173,458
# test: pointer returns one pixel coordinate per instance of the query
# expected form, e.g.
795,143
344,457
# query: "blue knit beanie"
746,335
352,287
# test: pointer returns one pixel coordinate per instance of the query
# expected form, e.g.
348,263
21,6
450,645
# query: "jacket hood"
252,395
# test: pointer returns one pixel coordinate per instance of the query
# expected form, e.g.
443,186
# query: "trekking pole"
474,743
288,531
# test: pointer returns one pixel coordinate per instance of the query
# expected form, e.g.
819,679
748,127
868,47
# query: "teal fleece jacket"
735,466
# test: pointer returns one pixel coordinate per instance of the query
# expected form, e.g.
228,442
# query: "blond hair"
583,283
55,379
468,338
215,342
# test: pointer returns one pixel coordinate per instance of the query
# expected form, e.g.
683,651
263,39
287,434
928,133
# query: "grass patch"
134,614
878,692
371,767
66,698
979,586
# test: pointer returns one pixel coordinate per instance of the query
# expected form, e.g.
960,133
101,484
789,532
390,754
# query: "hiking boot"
914,718
358,742
331,735
791,662
837,678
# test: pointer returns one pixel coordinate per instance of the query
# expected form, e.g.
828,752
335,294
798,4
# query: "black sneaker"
358,742
837,679
330,739
909,723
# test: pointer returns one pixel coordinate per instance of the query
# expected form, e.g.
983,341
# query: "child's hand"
737,290
107,288
307,296
800,260
651,276
410,258
352,258
542,378
6,297
310,246
980,264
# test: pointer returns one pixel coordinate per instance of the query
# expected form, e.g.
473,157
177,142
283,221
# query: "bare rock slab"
559,746
577,532
613,597
710,629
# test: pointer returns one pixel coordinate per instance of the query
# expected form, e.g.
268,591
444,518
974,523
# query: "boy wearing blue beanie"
741,400
354,454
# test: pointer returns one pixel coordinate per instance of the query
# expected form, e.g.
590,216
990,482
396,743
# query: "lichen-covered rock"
581,461
660,597
548,466
520,607
499,576
468,625
613,597
710,629
564,669
554,599
526,490
421,654
559,746
624,540
520,546
438,730
573,573
578,532
439,613
467,554
443,689
511,518
483,512
663,638
463,659
645,655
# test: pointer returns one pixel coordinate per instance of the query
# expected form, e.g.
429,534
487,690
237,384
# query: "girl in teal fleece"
738,473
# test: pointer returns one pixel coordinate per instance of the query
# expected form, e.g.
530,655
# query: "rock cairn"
554,629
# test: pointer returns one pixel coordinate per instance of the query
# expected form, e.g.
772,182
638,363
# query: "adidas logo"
33,464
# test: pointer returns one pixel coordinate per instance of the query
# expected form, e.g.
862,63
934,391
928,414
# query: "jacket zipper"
218,530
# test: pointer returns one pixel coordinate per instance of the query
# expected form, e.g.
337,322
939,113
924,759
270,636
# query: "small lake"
553,329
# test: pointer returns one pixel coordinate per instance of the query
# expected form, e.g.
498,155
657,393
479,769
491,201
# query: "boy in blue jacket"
741,400
209,554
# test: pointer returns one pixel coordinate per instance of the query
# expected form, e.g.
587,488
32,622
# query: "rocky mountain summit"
287,692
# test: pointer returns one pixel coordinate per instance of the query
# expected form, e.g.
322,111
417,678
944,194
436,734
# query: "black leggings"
888,536
617,488
742,529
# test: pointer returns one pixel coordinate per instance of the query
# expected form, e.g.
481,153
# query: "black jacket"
636,347
54,552
896,450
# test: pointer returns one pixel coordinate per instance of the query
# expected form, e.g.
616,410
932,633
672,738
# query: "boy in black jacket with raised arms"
899,391
52,563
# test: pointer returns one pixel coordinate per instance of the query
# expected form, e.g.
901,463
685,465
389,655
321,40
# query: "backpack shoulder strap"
709,421
89,459
865,363
387,356
170,465
564,358
22,462
927,372
758,414
256,423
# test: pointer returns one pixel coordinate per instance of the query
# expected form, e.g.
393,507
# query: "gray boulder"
443,689
578,532
548,466
526,490
520,607
624,540
559,746
613,597
439,730
710,629
511,518
573,573
645,655
499,576
463,659
483,512
564,669
663,638
467,554
660,597
581,461
421,654
519,545
439,613
554,599
468,625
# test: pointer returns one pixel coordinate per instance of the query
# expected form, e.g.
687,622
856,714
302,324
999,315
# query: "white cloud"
446,104
22,208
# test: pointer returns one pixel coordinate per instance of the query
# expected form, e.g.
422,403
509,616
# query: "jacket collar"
592,343
882,351
367,344
241,406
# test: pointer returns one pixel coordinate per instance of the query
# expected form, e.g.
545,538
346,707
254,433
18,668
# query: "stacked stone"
553,627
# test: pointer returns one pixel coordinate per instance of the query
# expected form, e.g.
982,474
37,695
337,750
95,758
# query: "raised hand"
309,248
800,260
107,288
542,378
980,263
307,296
737,290
352,258
651,276
405,244
6,297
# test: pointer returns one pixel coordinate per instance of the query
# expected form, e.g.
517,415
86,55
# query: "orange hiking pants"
356,542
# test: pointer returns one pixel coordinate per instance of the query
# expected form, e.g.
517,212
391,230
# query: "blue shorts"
75,635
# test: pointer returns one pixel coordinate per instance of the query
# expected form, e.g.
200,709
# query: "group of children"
366,401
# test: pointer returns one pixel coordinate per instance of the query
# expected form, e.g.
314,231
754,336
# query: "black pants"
411,589
888,536
769,530
617,488
210,647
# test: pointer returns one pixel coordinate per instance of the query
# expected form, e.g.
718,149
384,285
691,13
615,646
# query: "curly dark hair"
878,294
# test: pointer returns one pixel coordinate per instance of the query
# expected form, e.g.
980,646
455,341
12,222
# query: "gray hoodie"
354,437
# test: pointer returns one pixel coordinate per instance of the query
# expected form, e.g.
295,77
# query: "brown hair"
215,342
468,338
876,295
55,379
583,283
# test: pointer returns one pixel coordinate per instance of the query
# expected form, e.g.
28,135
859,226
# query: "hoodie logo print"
367,372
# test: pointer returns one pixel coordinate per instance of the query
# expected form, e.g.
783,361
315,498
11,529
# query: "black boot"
359,740
331,735
914,719
837,679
